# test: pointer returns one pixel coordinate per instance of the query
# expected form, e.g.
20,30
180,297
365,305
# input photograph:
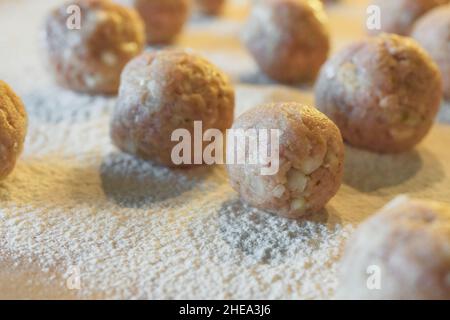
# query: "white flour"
136,230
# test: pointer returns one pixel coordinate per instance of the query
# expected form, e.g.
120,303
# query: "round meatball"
288,38
432,31
164,19
164,91
89,56
13,128
402,252
310,160
398,16
210,7
383,93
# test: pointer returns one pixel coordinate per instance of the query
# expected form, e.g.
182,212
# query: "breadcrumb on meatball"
164,91
288,39
383,93
406,246
13,129
311,155
91,58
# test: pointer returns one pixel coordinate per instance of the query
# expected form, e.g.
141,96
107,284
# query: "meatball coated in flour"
164,91
90,57
311,155
402,252
383,93
288,39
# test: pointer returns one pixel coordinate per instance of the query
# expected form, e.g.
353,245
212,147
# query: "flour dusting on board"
76,207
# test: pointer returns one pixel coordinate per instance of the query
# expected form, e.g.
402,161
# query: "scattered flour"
136,230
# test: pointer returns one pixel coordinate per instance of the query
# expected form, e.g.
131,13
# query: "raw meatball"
13,128
398,16
311,155
90,59
164,91
164,19
383,93
211,7
288,38
433,33
403,250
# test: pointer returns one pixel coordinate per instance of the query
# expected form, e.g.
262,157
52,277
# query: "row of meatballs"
289,39
380,94
111,33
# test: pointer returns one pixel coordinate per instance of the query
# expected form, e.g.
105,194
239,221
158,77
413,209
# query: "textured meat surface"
311,160
383,93
165,91
289,39
13,128
91,58
408,241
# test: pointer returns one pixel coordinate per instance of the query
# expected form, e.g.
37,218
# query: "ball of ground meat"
164,19
289,39
164,91
432,31
13,128
311,155
210,7
402,252
383,93
398,16
90,58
